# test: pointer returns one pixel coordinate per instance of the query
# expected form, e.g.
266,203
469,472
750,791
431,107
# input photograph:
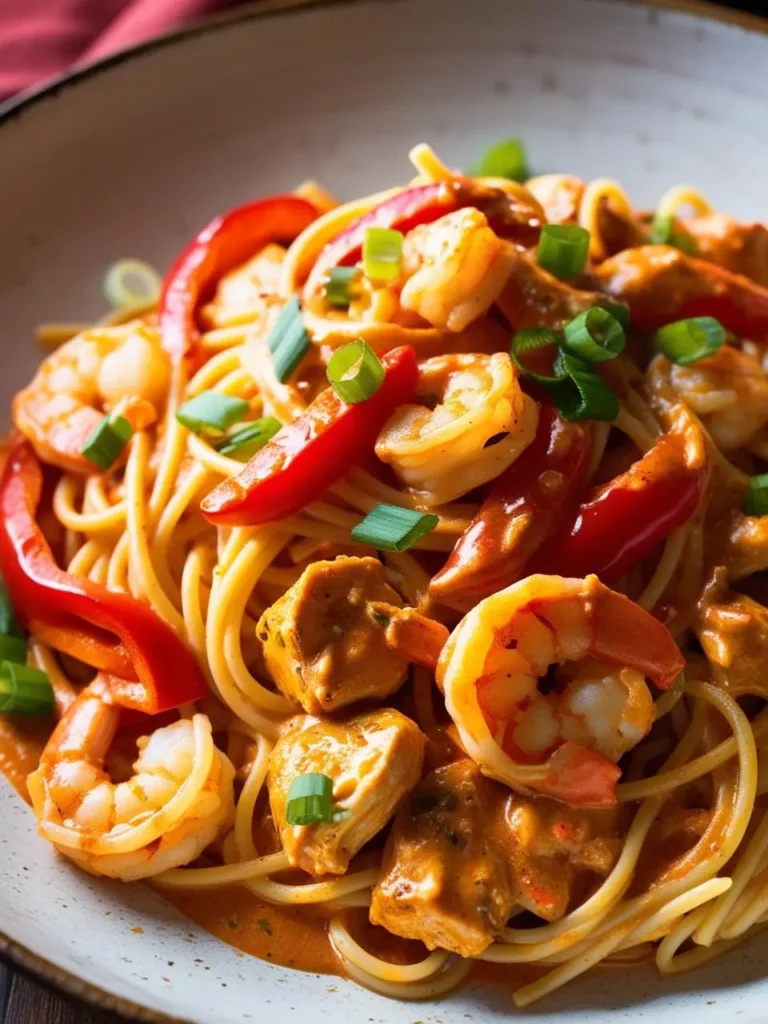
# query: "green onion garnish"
563,250
8,623
249,439
106,443
310,800
24,690
576,389
337,290
664,231
618,312
582,394
211,412
392,528
688,341
505,159
528,340
13,648
756,500
355,371
132,284
288,340
595,335
382,252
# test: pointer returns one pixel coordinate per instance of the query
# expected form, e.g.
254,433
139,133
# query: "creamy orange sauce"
295,937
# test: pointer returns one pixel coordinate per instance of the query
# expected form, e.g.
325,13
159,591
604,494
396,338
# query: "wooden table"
24,1002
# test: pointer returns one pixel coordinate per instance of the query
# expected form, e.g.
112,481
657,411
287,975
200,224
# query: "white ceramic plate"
131,157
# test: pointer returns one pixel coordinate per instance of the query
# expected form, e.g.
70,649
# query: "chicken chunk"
465,850
733,632
740,248
374,759
552,846
445,878
322,647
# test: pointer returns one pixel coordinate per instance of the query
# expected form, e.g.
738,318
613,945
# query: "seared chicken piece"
733,632
374,759
740,248
551,844
322,647
465,850
446,879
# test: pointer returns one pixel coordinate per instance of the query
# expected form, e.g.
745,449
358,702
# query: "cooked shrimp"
560,736
173,806
559,194
481,423
454,268
728,391
108,368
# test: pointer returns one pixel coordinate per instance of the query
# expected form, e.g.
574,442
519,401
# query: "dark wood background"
23,1001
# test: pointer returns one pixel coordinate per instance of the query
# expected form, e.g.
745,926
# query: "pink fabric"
41,38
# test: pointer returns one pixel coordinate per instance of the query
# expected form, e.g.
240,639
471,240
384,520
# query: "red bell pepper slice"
524,506
662,284
152,669
309,455
422,204
627,518
222,245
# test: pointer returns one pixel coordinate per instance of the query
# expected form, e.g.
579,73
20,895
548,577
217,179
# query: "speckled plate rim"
16,955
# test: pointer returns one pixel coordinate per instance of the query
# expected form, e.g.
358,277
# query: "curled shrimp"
481,423
561,735
175,804
123,369
728,391
454,268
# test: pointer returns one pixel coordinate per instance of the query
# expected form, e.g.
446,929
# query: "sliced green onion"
211,412
664,231
392,528
687,341
132,284
756,500
582,394
8,623
528,340
355,371
505,159
595,335
337,290
250,439
13,648
576,389
563,250
105,445
24,691
310,800
288,340
618,312
382,253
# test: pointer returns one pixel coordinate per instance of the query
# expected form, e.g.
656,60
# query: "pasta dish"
387,584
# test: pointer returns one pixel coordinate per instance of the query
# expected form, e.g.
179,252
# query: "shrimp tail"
580,777
625,634
412,635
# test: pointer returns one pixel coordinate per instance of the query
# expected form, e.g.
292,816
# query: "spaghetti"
435,645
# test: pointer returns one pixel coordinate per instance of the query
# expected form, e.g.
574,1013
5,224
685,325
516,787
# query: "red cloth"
41,38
